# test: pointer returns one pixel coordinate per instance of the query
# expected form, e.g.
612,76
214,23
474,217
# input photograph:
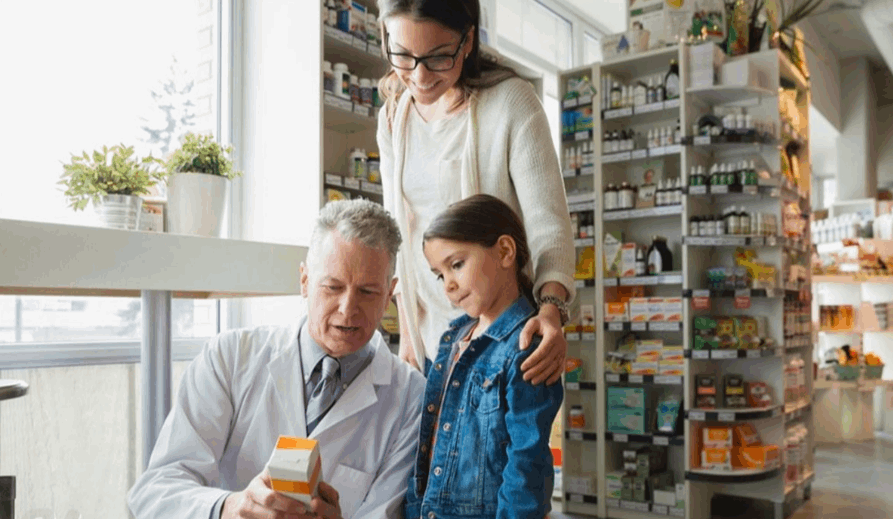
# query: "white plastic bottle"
357,159
342,81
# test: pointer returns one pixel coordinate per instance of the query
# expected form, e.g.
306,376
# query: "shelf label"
726,417
352,183
576,436
742,299
638,327
372,187
615,327
613,503
610,282
700,302
702,140
627,505
697,190
569,173
657,152
675,279
361,110
724,354
581,136
572,386
331,32
668,380
576,498
588,336
616,157
719,190
639,154
700,354
584,100
672,103
696,415
587,170
677,512
621,438
619,112
636,379
754,354
569,103
649,108
334,179
661,440
659,509
573,336
359,44
663,327
580,283
673,149
612,377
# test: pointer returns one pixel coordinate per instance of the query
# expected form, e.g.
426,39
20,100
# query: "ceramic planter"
198,204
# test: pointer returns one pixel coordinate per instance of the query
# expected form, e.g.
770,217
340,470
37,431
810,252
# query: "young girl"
484,437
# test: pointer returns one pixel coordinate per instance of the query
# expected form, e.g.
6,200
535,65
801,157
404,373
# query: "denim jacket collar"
505,324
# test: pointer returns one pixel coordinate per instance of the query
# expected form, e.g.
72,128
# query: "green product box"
627,398
704,336
661,480
614,482
627,421
651,462
626,491
640,489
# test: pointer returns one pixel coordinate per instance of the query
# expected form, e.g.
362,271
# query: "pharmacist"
330,377
455,124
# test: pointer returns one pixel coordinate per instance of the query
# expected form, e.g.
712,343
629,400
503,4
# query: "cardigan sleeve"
536,176
386,154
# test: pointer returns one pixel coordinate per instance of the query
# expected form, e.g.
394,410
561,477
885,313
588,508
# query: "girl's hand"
547,362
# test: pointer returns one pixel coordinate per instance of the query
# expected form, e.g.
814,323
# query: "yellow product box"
716,458
638,310
672,353
673,309
649,346
656,309
756,457
648,357
717,437
294,467
628,260
644,368
616,312
676,363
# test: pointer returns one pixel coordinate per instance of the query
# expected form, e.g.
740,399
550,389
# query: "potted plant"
199,174
112,179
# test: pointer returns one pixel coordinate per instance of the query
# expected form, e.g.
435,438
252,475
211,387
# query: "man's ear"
506,247
393,286
305,279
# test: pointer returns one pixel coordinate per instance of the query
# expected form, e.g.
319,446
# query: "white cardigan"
508,154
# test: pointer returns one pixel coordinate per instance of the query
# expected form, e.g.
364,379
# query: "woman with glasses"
455,124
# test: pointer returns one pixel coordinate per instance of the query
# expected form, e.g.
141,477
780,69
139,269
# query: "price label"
696,415
572,386
579,283
587,170
569,173
639,154
749,190
569,103
621,438
677,512
628,505
581,136
672,103
352,183
661,440
724,354
615,327
576,436
613,503
612,377
588,336
584,100
359,44
642,507
333,179
664,327
674,149
754,354
636,379
697,190
668,380
344,37
657,152
659,509
702,140
573,336
674,279
576,498
700,354
638,327
719,190
726,417
700,303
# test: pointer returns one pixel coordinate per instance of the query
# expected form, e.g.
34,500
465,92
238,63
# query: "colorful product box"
614,481
616,312
626,421
673,309
649,346
746,435
628,260
294,468
716,458
672,353
644,368
638,310
756,457
626,398
717,437
656,309
612,247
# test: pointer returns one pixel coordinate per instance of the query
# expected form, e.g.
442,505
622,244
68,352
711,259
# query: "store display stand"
591,454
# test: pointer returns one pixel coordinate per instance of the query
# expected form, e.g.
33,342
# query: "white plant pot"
119,211
198,204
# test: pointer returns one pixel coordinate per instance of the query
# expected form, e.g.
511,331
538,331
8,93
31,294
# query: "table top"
10,389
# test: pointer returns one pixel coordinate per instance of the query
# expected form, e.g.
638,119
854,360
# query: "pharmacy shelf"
851,280
637,64
662,380
732,354
353,184
669,278
342,116
580,386
755,293
620,509
741,241
643,113
652,326
576,102
725,94
674,150
585,171
579,136
579,336
581,436
796,410
636,214
350,48
581,498
733,415
714,142
732,476
654,439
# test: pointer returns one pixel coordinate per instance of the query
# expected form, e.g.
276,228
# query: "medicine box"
649,346
626,489
661,480
756,457
717,436
656,309
626,421
644,368
628,260
640,489
716,458
673,309
612,247
616,312
652,462
626,398
294,467
746,435
614,482
638,310
664,497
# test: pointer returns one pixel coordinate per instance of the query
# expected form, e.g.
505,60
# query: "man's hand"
260,501
546,364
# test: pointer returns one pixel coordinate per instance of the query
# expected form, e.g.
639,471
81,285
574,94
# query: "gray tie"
323,395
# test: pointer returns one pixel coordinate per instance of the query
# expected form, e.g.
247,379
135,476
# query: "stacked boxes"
705,61
729,332
672,361
737,447
627,410
644,471
645,310
579,485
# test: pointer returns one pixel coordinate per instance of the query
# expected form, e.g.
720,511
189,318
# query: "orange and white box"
716,458
671,367
718,437
294,467
616,312
756,457
643,368
672,353
656,309
638,309
746,436
673,309
628,260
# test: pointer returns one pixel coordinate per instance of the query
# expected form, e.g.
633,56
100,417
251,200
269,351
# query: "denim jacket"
492,456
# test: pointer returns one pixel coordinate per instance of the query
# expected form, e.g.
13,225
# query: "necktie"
323,395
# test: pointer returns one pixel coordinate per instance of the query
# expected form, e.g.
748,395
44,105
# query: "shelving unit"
692,255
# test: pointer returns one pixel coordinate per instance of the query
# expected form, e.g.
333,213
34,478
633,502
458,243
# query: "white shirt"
433,161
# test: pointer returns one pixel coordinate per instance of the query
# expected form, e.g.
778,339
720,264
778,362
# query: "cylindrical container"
373,168
120,211
366,92
198,204
575,418
372,33
328,77
376,98
357,160
342,81
354,89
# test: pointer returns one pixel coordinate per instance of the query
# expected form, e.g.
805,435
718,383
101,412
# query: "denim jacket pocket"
485,390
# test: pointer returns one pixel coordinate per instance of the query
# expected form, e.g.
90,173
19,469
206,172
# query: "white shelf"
651,212
342,116
723,94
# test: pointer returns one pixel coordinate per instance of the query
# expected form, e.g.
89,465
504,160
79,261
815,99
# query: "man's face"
348,288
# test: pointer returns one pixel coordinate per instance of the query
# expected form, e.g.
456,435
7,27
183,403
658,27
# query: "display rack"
593,465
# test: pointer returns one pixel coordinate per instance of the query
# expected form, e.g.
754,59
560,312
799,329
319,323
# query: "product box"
746,435
742,72
644,368
627,421
614,482
716,458
648,357
673,309
626,398
626,489
705,61
661,480
587,317
579,484
649,346
628,260
616,312
294,467
612,247
756,457
705,391
638,310
704,336
668,371
759,395
733,392
664,497
656,309
573,369
640,489
651,462
672,353
680,495
717,436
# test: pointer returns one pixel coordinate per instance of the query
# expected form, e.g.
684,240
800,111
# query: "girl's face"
407,37
479,280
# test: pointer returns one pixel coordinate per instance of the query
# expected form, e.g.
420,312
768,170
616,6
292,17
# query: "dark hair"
478,71
482,219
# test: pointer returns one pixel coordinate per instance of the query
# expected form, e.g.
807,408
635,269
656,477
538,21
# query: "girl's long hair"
482,219
478,72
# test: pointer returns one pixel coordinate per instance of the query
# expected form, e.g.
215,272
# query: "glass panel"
548,35
592,49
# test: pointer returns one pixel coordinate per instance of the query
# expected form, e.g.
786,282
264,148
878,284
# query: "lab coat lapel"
361,393
287,380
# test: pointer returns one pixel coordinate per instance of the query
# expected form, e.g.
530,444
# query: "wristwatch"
561,305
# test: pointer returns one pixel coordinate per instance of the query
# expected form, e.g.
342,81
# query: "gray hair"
360,220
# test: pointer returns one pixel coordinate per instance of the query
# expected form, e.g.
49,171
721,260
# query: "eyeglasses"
436,63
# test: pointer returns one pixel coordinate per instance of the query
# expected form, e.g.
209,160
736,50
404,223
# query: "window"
592,49
538,29
829,192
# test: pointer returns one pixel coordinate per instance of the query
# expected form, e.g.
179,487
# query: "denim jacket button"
447,338
424,448
431,408
431,515
437,471
446,427
455,383
438,366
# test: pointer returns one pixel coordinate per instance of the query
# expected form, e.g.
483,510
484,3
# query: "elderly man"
329,377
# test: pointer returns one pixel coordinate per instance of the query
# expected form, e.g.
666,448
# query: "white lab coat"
243,391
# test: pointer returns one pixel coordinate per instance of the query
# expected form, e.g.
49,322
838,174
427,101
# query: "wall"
825,76
885,145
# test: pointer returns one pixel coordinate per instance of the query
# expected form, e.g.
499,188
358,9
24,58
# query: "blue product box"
627,398
627,421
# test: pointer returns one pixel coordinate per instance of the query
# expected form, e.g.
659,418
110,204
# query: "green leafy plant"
789,16
112,171
201,154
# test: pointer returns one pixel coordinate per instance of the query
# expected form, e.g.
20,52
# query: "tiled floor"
853,481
